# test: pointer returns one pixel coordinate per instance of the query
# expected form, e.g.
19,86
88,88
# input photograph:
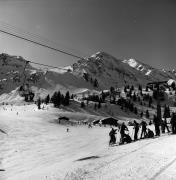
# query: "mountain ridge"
101,67
120,72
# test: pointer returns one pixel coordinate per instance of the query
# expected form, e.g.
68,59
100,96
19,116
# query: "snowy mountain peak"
131,62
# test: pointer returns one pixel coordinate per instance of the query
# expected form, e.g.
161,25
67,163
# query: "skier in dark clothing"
157,124
136,129
144,129
112,136
150,133
122,132
165,126
173,123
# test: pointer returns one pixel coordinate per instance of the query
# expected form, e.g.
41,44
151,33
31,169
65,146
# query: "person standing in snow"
136,129
122,131
112,136
157,124
144,129
165,126
173,123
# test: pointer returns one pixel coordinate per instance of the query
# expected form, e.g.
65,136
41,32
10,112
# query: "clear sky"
140,29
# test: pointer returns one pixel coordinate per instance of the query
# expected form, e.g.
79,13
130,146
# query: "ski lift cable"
23,32
41,44
58,50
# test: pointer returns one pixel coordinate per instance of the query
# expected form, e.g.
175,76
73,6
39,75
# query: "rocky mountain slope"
99,72
12,75
110,71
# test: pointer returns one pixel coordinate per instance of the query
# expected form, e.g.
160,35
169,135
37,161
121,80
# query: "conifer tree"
54,99
47,99
67,99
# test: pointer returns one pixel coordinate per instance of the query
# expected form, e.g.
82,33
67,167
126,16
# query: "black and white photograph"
87,89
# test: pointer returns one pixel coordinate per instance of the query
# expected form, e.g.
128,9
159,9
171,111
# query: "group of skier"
164,125
160,126
125,138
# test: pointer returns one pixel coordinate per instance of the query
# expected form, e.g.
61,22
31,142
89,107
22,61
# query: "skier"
157,124
144,128
173,123
67,129
150,133
164,126
112,136
136,129
122,132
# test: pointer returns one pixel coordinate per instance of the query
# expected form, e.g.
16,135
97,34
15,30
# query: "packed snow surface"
36,148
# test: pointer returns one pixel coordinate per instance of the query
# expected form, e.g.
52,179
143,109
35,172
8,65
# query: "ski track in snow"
36,149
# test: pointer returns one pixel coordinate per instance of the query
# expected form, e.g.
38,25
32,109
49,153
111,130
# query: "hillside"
12,75
99,72
110,71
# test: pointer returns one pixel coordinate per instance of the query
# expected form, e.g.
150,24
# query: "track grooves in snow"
129,153
163,169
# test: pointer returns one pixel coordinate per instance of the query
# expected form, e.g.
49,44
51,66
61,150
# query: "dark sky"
141,29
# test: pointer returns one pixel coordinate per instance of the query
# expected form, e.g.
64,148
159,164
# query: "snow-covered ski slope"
38,149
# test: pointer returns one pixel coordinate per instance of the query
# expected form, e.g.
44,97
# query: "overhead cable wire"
40,44
9,27
23,32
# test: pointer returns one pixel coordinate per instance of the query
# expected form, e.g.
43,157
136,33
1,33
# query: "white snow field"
36,148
